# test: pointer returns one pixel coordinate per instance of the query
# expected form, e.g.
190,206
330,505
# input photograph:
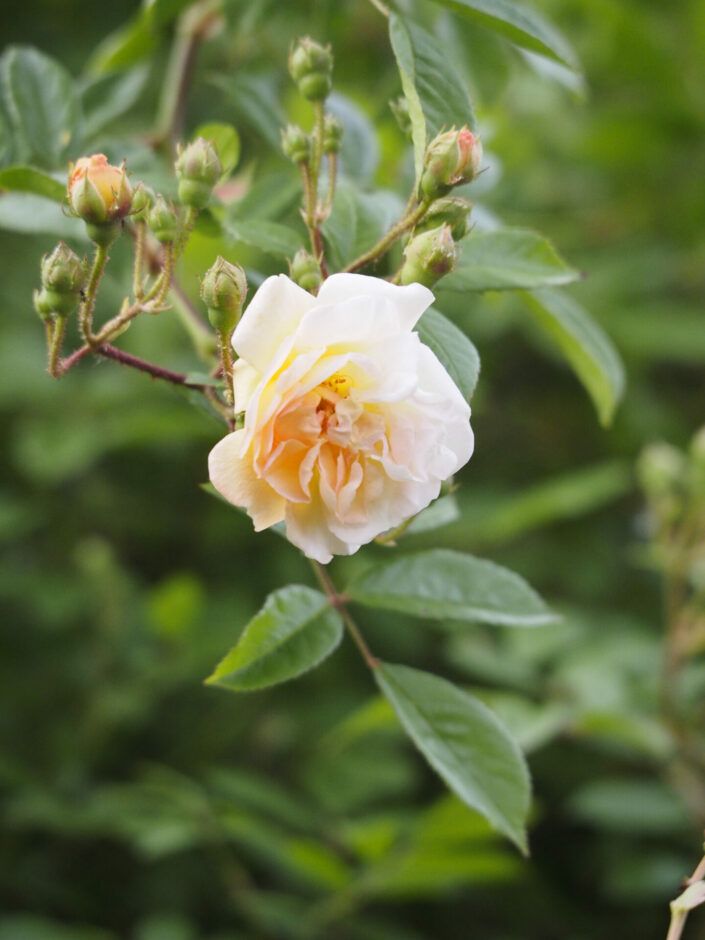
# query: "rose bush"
351,422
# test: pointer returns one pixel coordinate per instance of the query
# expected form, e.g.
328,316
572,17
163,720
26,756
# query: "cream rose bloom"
351,423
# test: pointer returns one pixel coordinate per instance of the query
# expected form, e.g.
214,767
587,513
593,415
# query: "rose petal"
409,301
232,474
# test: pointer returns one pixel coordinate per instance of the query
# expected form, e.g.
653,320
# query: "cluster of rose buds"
63,278
673,480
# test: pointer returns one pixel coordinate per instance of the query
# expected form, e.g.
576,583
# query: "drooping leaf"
274,239
507,259
517,23
585,345
435,93
465,743
226,141
107,97
28,179
41,104
295,630
453,349
446,585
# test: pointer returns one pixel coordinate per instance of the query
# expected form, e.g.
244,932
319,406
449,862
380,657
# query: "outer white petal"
245,381
351,323
273,314
232,474
410,301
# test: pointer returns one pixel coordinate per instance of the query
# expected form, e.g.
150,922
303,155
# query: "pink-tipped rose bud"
98,191
452,158
428,257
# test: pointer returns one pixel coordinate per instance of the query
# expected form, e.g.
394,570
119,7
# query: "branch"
338,601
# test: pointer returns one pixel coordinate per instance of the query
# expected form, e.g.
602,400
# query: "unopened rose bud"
332,134
311,67
400,110
63,270
198,169
63,276
98,191
450,210
142,199
163,221
452,158
306,271
223,290
296,145
428,257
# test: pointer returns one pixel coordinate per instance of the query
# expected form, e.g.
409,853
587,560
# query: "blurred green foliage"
137,802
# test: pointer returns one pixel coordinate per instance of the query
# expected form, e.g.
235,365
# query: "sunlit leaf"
453,349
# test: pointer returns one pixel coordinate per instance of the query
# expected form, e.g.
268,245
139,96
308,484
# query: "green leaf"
445,585
435,92
36,215
107,97
359,219
359,154
295,630
585,345
28,179
41,104
517,23
226,141
507,259
453,349
124,47
269,197
274,239
255,100
465,743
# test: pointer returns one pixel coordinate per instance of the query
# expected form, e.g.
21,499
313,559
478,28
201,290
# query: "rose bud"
198,169
428,257
311,67
306,271
452,158
142,198
296,145
450,210
332,134
163,221
101,195
63,275
223,291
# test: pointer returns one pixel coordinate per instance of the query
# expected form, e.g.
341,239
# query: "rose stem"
338,601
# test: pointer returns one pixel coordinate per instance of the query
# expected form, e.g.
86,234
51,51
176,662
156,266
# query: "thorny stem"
338,601
85,313
138,270
226,358
55,338
318,131
407,222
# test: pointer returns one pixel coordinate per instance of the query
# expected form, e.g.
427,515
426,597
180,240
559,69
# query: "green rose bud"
198,169
311,67
142,199
332,134
296,145
50,303
223,290
450,210
306,271
452,158
163,221
63,270
428,257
